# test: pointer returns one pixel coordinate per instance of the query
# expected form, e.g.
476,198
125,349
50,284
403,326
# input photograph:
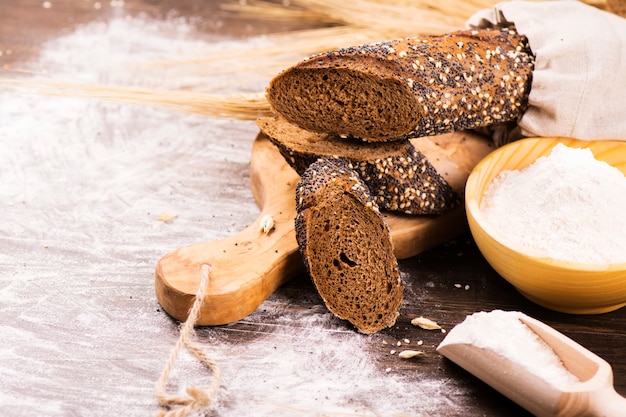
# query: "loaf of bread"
409,87
346,246
399,176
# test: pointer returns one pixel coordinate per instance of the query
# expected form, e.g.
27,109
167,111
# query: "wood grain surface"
93,194
250,265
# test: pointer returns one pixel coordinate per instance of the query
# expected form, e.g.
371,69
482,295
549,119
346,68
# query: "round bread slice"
419,86
346,246
399,176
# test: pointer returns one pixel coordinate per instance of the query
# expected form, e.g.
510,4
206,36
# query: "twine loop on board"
196,398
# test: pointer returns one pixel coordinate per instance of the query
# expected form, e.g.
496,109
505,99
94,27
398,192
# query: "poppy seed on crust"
421,86
399,176
346,246
325,170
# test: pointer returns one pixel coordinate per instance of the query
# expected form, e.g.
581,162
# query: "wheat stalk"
340,24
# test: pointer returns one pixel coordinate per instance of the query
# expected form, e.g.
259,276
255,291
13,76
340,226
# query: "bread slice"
346,246
399,176
409,87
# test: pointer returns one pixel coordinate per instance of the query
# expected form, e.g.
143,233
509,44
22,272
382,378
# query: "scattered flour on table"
307,362
502,332
163,55
566,205
83,183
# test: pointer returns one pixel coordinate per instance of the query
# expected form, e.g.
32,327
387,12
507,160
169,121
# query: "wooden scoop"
593,396
250,265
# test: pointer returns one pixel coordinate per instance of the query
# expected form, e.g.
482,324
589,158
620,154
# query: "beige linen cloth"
579,82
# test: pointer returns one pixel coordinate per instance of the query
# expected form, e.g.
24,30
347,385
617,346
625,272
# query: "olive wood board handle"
249,266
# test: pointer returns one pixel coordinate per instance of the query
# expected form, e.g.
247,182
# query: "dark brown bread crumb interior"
347,248
345,101
399,177
416,86
289,136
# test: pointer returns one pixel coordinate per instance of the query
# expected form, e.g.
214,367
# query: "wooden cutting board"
250,265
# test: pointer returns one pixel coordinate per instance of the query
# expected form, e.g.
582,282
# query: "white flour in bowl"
566,205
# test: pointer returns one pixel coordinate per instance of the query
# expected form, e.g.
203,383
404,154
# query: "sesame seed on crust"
399,176
373,91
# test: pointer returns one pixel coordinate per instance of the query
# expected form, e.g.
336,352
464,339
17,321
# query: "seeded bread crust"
399,176
346,246
409,87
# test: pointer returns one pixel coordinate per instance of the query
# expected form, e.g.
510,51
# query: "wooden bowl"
570,287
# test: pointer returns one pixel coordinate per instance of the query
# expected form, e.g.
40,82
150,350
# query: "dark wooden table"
83,187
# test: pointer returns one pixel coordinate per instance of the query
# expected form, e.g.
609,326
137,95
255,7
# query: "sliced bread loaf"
399,176
346,246
409,87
